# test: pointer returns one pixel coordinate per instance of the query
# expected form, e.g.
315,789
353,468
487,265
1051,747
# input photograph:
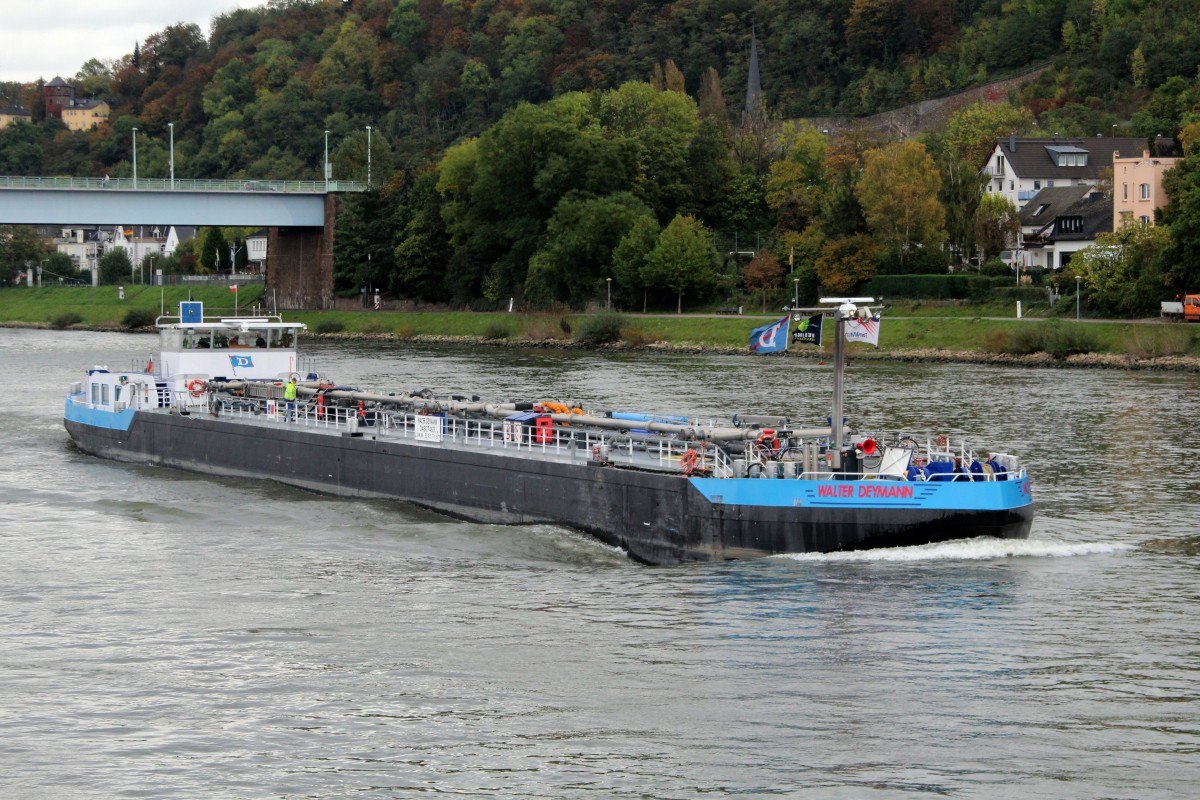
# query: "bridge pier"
300,262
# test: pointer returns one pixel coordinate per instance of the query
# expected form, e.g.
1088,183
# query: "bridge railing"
180,185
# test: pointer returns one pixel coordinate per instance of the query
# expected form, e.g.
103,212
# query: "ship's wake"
979,549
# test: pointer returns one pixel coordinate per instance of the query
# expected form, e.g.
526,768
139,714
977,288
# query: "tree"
899,197
115,267
1181,216
1121,270
796,187
20,249
683,260
631,254
762,273
997,224
580,239
846,263
972,133
213,252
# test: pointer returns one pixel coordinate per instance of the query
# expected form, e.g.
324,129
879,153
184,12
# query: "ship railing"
564,441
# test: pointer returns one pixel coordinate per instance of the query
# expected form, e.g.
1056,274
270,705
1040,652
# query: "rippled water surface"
169,635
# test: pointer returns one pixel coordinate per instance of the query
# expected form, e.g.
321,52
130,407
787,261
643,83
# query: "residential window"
999,165
1011,185
1124,191
1145,191
1050,184
1144,220
1037,185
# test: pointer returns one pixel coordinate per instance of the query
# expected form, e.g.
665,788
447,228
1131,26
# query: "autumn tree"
846,263
972,132
796,187
997,224
762,273
899,197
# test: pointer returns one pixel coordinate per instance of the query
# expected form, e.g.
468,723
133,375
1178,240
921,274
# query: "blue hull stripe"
98,418
956,495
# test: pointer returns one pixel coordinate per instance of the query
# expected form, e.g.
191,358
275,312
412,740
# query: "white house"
256,251
1019,168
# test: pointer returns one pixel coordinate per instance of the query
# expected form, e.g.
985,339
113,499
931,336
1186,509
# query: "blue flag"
770,338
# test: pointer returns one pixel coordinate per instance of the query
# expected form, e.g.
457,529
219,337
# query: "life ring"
195,387
687,464
768,442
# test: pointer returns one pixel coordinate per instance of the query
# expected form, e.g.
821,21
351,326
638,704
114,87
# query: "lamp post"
151,270
368,156
608,281
1114,130
327,161
171,128
795,292
41,268
134,165
1078,280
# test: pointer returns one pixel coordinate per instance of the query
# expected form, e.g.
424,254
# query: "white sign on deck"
428,429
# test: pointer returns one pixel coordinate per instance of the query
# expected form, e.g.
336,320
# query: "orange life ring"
195,387
767,441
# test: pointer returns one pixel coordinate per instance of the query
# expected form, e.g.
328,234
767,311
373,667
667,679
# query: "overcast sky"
44,38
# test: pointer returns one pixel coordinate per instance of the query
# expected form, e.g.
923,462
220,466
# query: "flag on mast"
809,330
771,338
863,329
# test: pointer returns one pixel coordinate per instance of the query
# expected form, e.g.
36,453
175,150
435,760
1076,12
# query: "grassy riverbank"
910,329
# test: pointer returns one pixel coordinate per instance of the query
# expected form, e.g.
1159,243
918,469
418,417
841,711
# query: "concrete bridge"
299,215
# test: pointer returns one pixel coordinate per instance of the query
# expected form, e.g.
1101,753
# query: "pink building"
1138,188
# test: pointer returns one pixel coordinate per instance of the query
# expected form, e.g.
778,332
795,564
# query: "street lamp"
795,293
609,282
1078,280
1114,130
41,267
327,161
171,128
368,156
134,166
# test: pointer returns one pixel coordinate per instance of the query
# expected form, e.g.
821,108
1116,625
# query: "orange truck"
1186,308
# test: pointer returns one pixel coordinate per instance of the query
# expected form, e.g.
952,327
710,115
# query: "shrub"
497,330
542,327
1068,340
330,326
375,326
1151,342
404,331
65,320
601,329
636,337
139,318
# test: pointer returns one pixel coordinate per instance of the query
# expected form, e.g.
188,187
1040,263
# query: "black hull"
658,518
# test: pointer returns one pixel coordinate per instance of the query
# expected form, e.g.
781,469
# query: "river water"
169,635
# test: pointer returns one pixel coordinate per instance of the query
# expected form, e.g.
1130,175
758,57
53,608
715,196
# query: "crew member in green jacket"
289,395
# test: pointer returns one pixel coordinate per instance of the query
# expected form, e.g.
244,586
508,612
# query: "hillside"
254,96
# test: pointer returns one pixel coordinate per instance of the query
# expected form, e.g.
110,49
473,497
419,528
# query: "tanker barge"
667,490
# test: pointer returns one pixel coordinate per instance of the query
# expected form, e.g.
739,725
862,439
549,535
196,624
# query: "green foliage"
959,286
1054,337
497,330
330,326
1121,272
601,329
115,267
683,260
65,320
139,318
